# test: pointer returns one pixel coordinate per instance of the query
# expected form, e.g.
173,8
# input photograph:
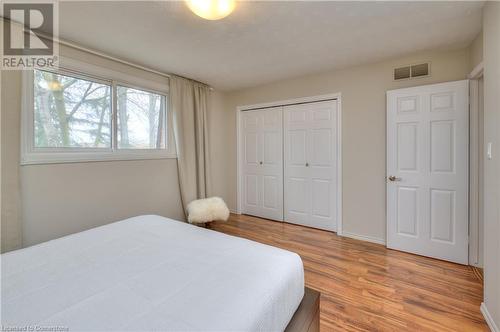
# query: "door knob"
393,178
307,164
260,162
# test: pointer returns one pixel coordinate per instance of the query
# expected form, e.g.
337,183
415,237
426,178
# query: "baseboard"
364,238
489,320
348,234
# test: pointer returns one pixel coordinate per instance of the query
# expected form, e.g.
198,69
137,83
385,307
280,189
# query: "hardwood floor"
366,287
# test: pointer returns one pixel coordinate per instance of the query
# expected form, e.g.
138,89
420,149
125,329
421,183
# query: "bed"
151,273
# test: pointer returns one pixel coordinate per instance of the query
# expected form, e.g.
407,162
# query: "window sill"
40,158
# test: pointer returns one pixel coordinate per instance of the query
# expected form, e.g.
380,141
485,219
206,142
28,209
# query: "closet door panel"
251,194
270,192
321,197
297,139
323,164
272,142
297,183
297,200
311,160
250,123
262,173
251,149
272,163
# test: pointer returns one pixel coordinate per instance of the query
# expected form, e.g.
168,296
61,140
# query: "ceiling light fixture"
211,9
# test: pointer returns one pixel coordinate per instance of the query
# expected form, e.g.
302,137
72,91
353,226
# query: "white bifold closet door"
262,178
310,172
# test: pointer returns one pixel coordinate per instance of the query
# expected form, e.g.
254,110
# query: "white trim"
39,158
239,163
364,238
340,230
308,99
487,317
30,155
477,71
474,170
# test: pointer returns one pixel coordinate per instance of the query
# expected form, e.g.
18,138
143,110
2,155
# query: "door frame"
475,258
309,99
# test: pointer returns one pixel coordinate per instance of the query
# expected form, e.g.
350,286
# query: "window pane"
141,119
71,112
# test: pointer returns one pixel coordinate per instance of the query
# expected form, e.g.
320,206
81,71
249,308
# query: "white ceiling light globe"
211,9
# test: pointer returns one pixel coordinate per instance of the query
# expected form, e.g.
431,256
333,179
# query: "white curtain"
10,202
190,102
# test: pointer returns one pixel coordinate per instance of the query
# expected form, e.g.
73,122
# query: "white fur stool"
204,211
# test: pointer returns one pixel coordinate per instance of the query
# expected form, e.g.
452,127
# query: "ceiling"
267,41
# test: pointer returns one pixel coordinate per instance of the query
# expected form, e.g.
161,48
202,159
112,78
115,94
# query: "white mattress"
151,273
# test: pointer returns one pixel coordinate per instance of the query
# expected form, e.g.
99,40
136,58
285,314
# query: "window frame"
46,155
166,119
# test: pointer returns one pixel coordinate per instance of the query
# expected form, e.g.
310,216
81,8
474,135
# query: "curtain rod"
289,104
125,62
105,56
109,57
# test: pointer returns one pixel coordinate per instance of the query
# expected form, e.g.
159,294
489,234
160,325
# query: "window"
75,115
140,119
71,112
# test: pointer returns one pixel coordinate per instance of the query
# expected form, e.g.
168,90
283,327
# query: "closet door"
262,171
310,172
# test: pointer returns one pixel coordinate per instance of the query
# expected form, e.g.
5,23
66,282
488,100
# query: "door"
311,164
262,171
427,170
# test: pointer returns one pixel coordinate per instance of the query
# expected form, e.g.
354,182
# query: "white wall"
476,51
363,128
61,199
491,54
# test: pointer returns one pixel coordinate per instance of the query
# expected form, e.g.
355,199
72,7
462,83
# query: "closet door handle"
307,164
260,162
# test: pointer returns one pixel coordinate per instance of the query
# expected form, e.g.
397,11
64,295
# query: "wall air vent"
420,70
402,73
413,71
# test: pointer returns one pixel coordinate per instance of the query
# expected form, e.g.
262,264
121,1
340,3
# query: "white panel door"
311,164
262,171
427,170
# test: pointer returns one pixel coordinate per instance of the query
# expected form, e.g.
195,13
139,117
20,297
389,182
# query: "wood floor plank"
367,287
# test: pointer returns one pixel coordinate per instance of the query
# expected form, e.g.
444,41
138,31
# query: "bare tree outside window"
141,119
71,112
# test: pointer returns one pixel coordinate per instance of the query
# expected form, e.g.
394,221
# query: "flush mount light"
211,9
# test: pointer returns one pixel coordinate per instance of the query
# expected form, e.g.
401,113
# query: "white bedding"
151,273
